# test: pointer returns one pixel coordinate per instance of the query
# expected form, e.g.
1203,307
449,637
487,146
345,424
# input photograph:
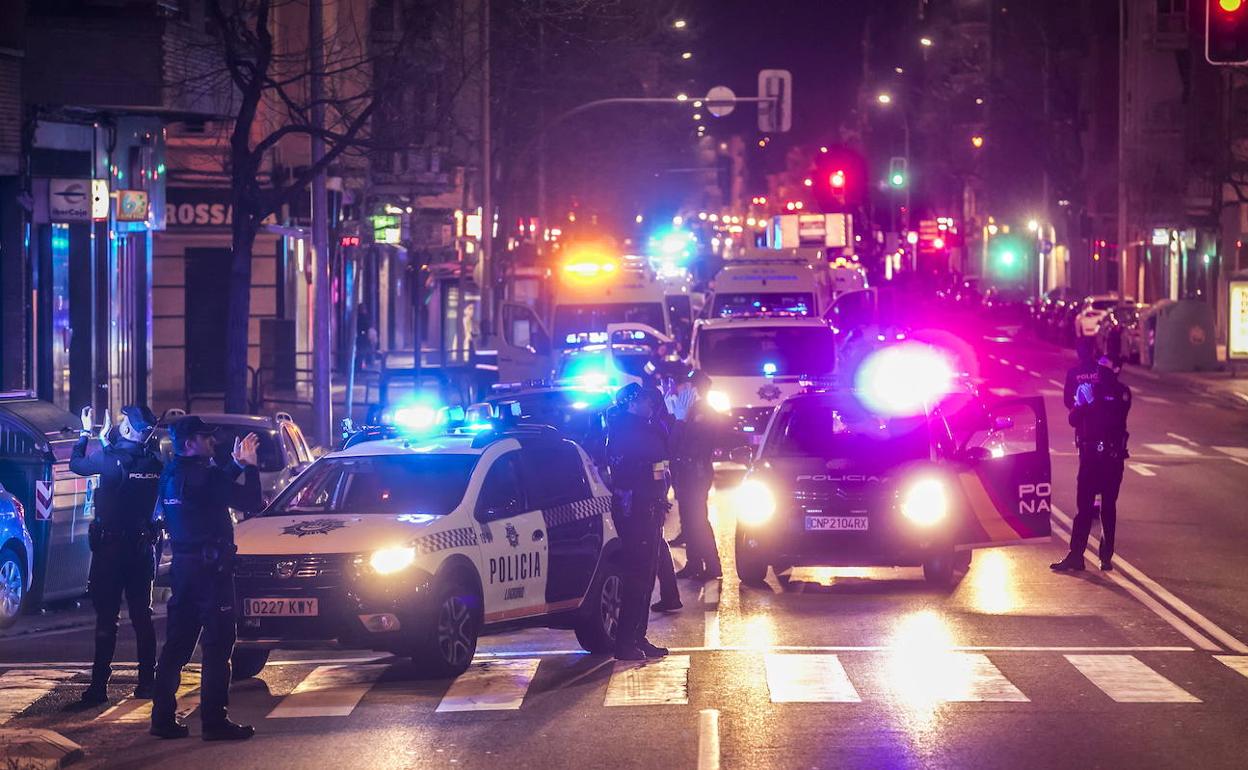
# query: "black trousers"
692,490
669,590
122,568
1098,475
201,611
640,533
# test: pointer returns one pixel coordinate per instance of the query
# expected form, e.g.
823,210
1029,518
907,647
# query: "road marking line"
1020,367
710,630
1127,680
329,691
1003,392
710,593
708,739
1184,439
1211,628
1154,399
1034,373
1235,662
925,675
498,685
1057,383
1142,468
650,683
1238,460
132,711
793,678
1174,450
1050,392
20,689
1233,451
1003,362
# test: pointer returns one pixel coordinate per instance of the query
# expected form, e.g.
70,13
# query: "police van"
845,478
755,363
771,282
417,547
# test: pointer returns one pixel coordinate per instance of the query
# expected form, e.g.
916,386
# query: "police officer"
637,451
1099,418
195,498
122,539
692,446
1081,373
665,569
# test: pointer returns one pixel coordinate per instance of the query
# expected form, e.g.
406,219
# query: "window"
289,450
500,494
432,484
553,475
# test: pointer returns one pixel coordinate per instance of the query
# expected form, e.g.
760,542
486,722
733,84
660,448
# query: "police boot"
145,688
226,730
1069,564
94,695
169,728
629,652
651,650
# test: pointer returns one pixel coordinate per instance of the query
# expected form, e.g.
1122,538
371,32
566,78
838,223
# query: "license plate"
280,608
836,523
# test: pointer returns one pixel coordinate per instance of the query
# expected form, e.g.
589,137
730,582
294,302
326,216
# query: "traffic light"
1226,31
837,181
898,174
1008,256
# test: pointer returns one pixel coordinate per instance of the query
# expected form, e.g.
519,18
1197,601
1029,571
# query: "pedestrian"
1085,371
637,456
1099,418
122,540
694,431
195,498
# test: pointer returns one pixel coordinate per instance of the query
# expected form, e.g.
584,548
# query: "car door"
524,348
513,544
555,482
1004,475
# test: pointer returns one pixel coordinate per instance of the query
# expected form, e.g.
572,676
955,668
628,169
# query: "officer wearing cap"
195,500
1099,418
636,457
122,540
692,446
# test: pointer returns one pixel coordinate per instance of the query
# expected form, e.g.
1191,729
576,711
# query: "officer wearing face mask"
1099,417
122,539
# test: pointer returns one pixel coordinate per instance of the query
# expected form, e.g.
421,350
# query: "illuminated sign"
69,200
132,205
387,228
99,199
1237,329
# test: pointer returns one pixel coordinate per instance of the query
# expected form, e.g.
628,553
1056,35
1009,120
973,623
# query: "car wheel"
751,565
598,621
938,569
246,663
12,587
449,642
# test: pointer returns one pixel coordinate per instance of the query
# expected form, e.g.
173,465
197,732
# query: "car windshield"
577,325
779,350
840,428
760,303
431,484
268,453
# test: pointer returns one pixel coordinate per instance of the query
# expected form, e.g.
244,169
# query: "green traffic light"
898,179
1008,258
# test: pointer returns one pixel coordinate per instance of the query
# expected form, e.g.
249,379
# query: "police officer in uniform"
637,451
122,539
195,497
1084,372
1099,418
692,446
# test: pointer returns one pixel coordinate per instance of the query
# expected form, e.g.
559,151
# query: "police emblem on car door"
514,556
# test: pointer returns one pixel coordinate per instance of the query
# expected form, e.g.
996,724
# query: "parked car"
1092,309
1008,304
17,554
1120,334
1050,310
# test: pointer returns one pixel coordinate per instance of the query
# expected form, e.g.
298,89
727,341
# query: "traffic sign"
775,111
721,101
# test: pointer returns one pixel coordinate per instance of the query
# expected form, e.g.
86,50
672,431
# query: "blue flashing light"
580,405
747,429
770,369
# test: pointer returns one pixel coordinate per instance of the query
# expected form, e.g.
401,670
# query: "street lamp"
687,55
682,97
679,24
977,141
925,41
1033,225
884,98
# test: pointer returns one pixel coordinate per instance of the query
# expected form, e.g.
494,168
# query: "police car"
416,547
875,475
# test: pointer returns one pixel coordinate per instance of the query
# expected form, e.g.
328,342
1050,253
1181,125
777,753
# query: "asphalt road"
1015,666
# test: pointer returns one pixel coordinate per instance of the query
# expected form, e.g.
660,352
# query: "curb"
34,749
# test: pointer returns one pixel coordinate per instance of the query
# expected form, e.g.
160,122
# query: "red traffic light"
1231,6
837,179
1226,32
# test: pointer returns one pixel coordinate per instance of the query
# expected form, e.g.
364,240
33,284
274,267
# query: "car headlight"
719,400
754,502
925,502
390,560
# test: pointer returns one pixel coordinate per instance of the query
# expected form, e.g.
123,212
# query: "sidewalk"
1216,384
70,614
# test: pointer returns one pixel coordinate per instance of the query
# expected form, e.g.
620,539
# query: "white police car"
417,547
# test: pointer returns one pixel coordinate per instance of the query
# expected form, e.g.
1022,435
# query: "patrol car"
416,547
844,479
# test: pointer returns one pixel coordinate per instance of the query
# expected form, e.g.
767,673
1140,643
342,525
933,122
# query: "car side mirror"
742,455
976,454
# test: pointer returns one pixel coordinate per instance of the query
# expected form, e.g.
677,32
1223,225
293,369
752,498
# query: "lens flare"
905,379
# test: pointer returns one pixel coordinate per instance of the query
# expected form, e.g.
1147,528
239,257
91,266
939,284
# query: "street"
1016,666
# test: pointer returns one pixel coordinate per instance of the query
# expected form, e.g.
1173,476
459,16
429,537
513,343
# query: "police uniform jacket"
196,497
129,476
634,446
693,440
1079,374
1101,426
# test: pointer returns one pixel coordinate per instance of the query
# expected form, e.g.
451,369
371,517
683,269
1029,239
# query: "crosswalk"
337,690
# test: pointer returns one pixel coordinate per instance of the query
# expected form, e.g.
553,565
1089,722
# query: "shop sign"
69,200
200,207
132,205
1237,328
99,199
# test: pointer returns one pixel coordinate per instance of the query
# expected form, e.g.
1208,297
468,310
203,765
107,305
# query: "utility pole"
1122,155
487,184
322,383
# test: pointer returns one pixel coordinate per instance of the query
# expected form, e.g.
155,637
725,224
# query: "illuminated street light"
823,150
682,97
687,55
808,182
679,24
925,41
1033,225
899,70
977,141
697,116
884,98
993,229
912,237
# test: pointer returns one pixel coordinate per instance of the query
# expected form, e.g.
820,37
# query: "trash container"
1184,338
36,439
